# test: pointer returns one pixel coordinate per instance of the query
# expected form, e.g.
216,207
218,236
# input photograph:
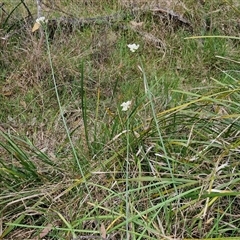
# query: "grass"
73,165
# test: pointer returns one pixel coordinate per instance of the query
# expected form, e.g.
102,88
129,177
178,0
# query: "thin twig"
28,11
1,6
39,14
39,8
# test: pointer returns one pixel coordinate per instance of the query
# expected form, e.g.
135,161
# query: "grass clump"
76,165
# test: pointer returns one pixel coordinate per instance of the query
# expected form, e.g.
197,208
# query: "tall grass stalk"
63,118
127,182
84,108
150,98
60,107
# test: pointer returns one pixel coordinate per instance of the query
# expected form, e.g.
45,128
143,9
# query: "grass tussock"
75,165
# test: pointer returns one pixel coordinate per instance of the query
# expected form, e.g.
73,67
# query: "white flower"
41,20
133,47
126,105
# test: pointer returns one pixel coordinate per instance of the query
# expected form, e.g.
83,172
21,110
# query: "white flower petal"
41,20
126,105
133,47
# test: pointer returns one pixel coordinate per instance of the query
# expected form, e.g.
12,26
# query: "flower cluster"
126,105
133,47
41,20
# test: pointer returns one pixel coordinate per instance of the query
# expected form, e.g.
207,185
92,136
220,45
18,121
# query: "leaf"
7,94
36,26
23,103
7,90
45,231
136,24
103,231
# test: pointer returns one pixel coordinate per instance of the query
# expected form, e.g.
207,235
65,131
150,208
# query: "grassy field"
101,142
